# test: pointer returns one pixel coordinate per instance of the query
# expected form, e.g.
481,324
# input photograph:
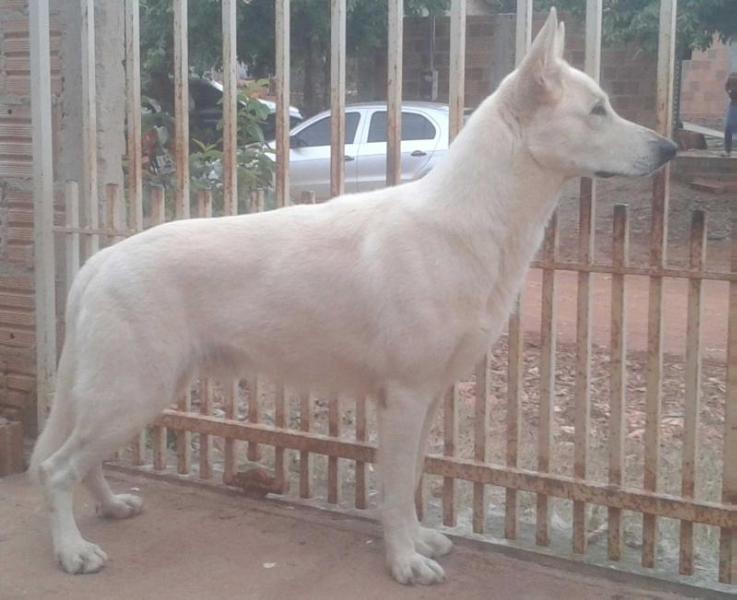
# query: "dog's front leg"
401,423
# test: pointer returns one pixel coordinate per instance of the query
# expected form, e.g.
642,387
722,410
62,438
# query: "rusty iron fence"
219,419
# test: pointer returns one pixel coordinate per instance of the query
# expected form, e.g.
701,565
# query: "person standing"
730,126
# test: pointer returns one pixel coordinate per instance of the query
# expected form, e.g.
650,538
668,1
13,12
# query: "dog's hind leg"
59,474
109,505
401,424
428,542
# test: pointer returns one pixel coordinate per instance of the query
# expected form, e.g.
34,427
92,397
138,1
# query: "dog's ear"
539,74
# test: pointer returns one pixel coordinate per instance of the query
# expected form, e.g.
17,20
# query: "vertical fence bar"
116,226
728,536
116,223
480,432
158,433
133,92
456,82
693,385
515,353
90,242
586,231
71,239
231,391
280,421
450,434
334,478
254,414
361,501
394,93
181,108
658,243
181,198
523,38
282,102
618,373
305,464
135,171
515,367
43,208
204,210
457,75
337,97
547,375
230,107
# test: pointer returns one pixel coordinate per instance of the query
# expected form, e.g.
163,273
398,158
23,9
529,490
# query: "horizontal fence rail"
267,438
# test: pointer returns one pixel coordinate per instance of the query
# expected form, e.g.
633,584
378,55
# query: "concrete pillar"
110,89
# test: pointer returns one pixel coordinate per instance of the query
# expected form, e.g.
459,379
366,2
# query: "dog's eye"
599,109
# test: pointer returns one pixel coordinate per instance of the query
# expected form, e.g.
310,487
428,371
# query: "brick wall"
17,351
703,99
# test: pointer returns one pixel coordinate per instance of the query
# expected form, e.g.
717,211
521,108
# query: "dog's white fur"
393,293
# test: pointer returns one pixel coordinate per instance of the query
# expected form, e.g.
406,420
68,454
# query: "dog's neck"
492,191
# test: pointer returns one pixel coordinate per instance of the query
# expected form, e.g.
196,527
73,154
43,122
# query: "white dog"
394,293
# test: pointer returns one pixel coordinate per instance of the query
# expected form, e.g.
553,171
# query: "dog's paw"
415,568
81,557
122,506
431,543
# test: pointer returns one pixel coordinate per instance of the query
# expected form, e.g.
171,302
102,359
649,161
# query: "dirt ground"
196,544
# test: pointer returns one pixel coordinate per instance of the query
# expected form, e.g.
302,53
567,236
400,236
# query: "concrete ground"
192,543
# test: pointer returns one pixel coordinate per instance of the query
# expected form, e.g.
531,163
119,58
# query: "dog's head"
567,122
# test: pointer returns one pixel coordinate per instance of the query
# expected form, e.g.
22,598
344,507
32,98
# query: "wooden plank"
334,477
394,92
361,500
115,218
305,464
674,507
728,535
90,243
204,211
43,210
515,353
586,232
282,102
280,420
231,392
181,110
450,433
71,240
133,116
480,434
337,96
693,384
658,242
547,378
457,76
641,271
253,452
158,433
230,107
618,374
523,35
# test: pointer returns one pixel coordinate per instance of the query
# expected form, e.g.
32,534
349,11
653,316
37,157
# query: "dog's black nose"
666,150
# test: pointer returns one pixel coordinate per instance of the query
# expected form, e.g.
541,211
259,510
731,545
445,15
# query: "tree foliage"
699,21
